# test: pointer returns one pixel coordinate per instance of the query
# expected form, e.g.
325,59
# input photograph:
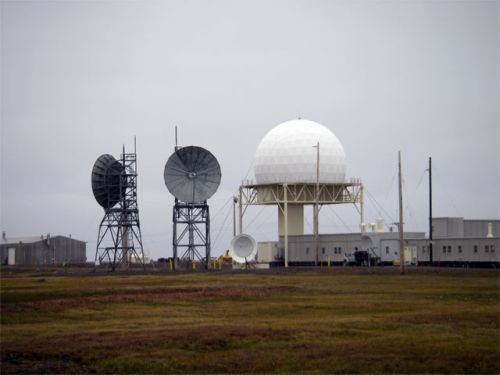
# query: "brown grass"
298,322
134,296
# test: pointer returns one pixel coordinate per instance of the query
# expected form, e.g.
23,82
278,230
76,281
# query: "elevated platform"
300,193
291,199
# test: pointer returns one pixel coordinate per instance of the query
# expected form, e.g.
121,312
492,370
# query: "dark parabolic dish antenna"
192,174
106,176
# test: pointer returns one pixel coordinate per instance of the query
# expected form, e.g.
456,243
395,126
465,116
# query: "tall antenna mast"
430,210
135,152
176,147
316,207
401,235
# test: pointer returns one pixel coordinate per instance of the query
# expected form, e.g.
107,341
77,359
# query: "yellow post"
220,263
194,265
170,263
328,262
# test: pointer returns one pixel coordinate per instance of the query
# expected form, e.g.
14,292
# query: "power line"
411,197
249,169
380,209
389,189
340,219
221,208
255,217
222,226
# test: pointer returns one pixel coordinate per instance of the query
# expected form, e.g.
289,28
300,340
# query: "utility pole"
240,204
285,213
361,208
235,200
316,207
430,210
401,236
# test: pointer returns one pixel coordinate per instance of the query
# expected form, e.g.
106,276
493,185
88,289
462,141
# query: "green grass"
308,322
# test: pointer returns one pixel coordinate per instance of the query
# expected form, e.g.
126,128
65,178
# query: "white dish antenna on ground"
243,248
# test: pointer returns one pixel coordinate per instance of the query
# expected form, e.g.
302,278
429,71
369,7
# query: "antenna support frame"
120,224
191,233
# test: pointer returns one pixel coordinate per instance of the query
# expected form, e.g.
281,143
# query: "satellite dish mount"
192,175
191,232
114,183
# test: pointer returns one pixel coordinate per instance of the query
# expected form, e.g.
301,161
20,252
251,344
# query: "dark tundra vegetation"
343,321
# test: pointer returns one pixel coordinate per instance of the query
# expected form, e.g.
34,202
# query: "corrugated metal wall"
59,250
479,228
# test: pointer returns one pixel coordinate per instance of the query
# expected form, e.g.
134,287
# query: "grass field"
345,321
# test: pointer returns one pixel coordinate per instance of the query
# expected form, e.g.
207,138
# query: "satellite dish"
192,174
243,248
106,175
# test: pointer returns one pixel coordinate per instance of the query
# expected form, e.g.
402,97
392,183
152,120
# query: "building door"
410,255
12,256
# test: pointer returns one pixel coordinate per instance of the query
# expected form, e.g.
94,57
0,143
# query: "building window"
307,250
475,248
492,248
355,249
459,248
444,249
387,249
323,250
486,248
449,249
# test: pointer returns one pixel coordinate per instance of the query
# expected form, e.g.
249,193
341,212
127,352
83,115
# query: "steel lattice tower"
119,240
191,231
192,174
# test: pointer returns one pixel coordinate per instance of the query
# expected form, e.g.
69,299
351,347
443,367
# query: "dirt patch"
136,295
14,362
148,336
64,353
442,319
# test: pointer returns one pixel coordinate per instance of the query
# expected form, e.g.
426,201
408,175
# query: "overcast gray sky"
79,79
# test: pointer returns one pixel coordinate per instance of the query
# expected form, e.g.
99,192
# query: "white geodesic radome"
286,154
